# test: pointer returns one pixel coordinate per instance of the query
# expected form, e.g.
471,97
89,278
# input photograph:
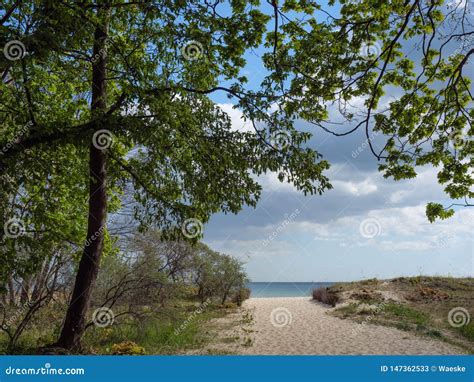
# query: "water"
274,289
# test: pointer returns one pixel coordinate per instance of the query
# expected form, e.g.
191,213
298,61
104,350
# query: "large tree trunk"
74,324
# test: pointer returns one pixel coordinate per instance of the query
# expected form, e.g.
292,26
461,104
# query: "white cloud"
270,182
403,229
458,4
365,187
398,229
236,116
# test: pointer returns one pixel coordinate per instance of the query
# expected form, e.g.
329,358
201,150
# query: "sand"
297,325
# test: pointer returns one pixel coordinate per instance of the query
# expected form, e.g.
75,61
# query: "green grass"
468,331
158,335
406,313
155,332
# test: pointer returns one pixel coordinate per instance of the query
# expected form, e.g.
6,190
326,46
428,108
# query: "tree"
406,62
146,70
234,277
129,85
216,274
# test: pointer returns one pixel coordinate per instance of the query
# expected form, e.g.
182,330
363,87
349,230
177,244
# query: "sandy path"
298,325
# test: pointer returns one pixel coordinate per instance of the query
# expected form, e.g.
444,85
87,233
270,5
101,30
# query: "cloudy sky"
367,226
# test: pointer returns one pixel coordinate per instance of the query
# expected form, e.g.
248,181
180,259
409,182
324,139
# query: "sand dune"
297,325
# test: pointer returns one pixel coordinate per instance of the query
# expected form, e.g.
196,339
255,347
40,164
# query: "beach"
298,325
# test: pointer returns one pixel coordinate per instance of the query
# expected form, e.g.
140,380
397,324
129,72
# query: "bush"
325,296
240,296
468,331
367,296
127,348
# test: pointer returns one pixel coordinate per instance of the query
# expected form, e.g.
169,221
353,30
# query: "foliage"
149,288
326,296
240,296
127,348
217,274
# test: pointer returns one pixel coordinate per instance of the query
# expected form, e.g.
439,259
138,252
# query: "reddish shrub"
326,296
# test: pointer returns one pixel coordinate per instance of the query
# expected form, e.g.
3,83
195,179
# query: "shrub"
468,331
228,305
427,294
373,281
240,296
127,348
326,296
367,296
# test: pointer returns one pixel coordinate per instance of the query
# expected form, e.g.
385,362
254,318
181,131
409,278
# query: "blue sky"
367,226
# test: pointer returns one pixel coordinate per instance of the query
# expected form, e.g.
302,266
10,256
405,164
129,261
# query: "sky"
365,227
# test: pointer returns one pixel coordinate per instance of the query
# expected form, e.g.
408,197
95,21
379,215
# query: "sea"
285,289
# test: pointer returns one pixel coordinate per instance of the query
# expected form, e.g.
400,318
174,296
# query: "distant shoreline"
284,289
